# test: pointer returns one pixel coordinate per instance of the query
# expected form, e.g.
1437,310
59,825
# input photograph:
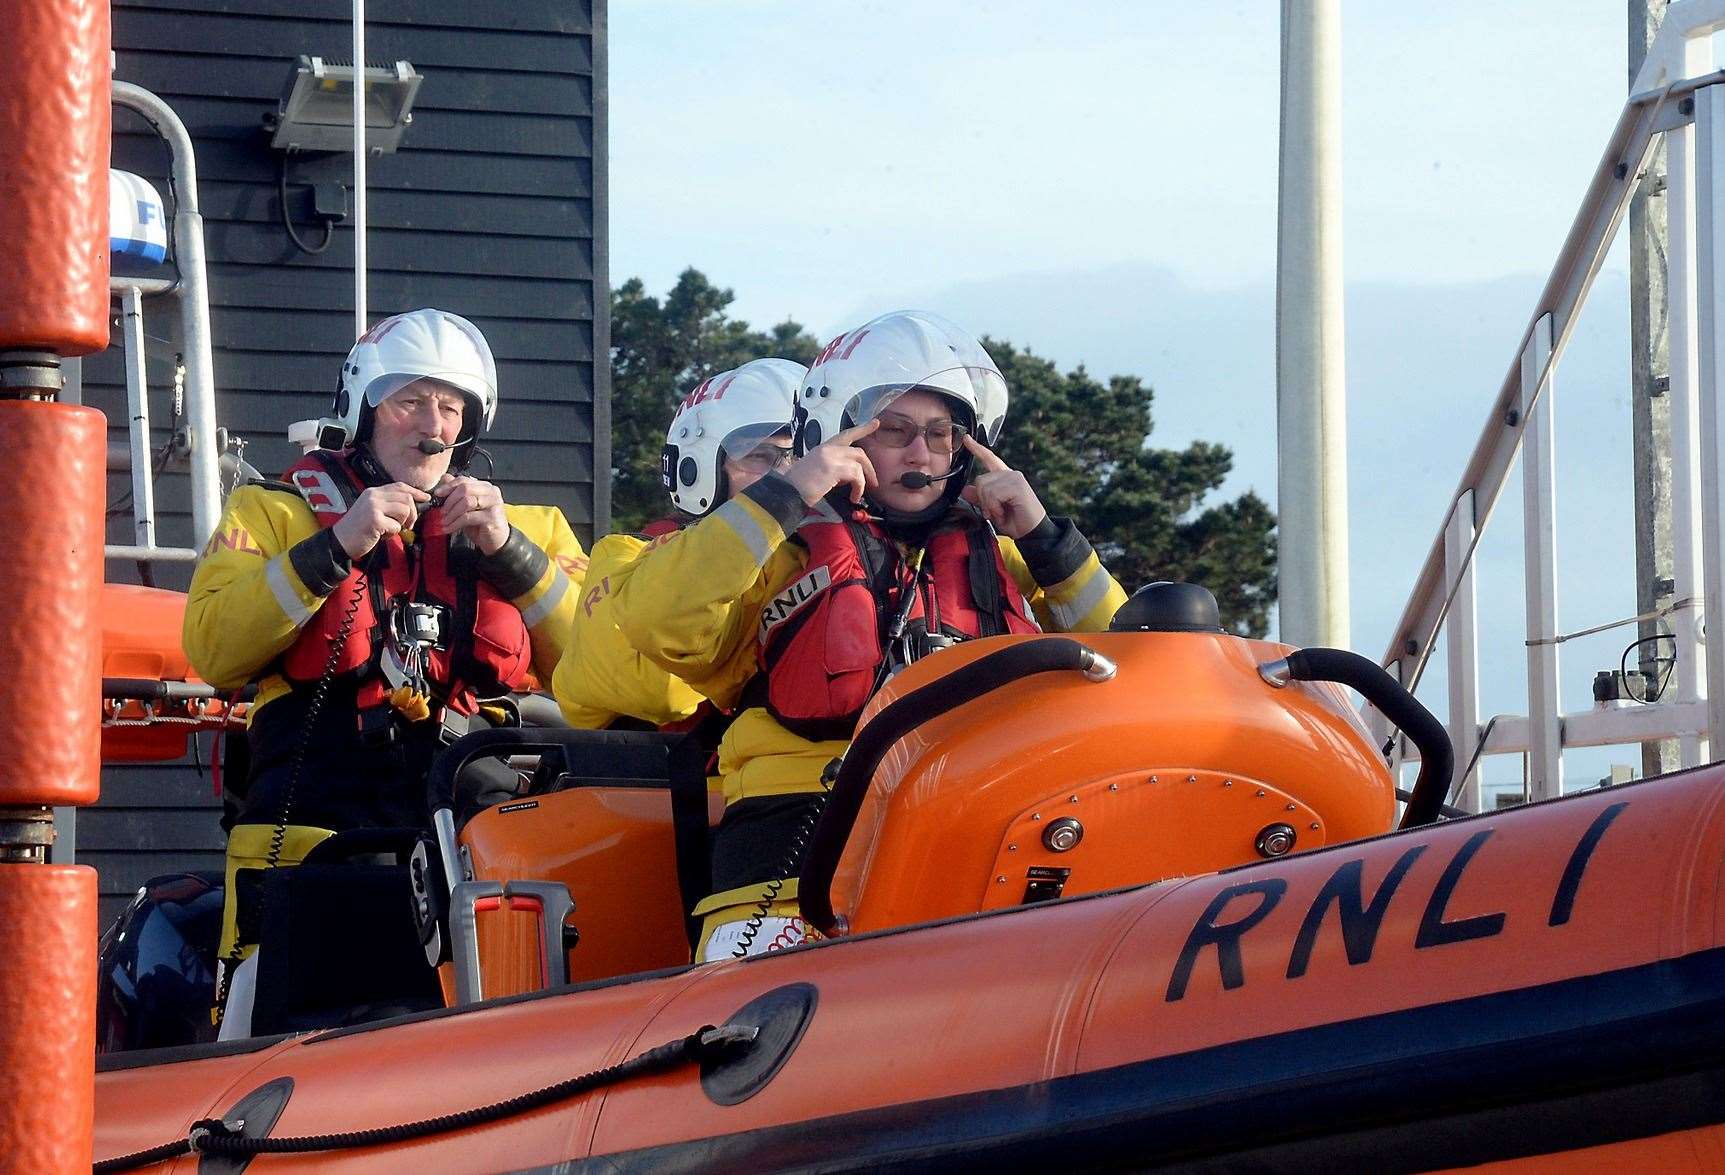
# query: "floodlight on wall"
316,116
316,112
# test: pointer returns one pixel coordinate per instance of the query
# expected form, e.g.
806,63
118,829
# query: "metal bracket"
549,899
30,375
26,835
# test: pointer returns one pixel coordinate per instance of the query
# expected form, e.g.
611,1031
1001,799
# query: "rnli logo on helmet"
708,390
319,491
790,601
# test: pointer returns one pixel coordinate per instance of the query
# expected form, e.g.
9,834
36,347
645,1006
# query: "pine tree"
1084,446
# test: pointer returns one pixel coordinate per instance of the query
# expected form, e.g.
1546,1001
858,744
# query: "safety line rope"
213,1136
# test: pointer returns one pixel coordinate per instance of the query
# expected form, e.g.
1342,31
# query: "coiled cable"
278,836
791,867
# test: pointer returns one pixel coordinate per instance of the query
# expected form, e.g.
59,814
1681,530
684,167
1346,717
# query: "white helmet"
421,344
728,414
863,370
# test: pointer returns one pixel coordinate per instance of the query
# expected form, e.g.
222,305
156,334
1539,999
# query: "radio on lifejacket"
904,647
415,628
416,625
919,643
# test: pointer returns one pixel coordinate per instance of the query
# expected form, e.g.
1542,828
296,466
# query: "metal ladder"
1680,96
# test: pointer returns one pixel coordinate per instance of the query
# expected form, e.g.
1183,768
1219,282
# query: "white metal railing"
190,292
1678,95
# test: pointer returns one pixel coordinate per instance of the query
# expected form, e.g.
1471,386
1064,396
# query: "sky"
819,157
1097,181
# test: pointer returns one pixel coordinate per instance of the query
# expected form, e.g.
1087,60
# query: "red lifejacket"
823,639
485,649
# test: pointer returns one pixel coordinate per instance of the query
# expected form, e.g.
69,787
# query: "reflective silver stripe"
548,602
276,571
1071,614
747,528
1024,607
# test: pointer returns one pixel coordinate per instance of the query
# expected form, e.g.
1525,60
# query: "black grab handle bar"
1369,679
958,688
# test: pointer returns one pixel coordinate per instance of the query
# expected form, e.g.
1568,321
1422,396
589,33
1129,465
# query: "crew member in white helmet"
895,533
376,596
732,430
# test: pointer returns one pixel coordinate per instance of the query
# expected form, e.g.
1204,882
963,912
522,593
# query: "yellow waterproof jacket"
266,571
693,605
602,676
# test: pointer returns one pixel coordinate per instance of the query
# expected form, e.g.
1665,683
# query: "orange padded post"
55,132
51,478
47,1017
52,468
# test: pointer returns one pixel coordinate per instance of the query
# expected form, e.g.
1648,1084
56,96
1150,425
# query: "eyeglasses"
897,432
764,458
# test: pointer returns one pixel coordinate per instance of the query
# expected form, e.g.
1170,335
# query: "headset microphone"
431,447
916,479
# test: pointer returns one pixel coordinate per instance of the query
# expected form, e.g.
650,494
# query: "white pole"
1539,539
1462,648
1709,164
1686,541
359,323
1311,380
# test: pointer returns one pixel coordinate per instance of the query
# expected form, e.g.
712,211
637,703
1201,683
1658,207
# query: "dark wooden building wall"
494,208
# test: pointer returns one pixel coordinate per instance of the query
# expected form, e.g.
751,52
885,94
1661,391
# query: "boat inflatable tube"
1547,980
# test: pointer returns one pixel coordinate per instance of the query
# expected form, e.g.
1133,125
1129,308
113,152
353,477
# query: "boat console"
999,773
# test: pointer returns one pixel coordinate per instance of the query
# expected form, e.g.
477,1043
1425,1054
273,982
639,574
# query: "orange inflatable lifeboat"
1129,900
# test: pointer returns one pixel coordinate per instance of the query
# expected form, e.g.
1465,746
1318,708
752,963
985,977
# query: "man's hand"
379,511
474,507
1002,494
835,463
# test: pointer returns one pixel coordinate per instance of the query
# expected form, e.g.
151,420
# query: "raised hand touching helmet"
1003,494
860,376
